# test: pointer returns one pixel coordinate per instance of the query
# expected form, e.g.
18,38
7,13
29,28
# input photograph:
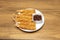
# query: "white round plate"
38,25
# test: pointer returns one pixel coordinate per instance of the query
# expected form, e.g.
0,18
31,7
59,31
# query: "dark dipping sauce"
37,17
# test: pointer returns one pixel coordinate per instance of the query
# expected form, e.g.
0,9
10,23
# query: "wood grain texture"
50,10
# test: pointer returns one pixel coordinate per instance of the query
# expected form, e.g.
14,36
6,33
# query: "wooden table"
50,10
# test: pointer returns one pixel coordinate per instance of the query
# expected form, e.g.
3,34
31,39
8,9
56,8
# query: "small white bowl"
36,21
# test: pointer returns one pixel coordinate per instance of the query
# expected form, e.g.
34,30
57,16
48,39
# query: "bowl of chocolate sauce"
37,18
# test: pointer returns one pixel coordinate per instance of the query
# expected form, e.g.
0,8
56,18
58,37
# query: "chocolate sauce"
37,17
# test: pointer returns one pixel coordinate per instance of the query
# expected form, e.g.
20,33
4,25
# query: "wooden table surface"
50,10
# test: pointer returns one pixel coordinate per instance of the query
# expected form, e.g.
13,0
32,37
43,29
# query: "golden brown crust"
25,19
